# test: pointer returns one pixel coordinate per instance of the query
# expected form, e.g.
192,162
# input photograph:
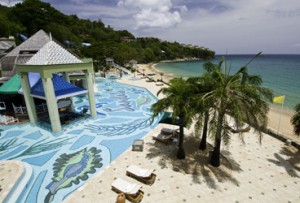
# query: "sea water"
280,73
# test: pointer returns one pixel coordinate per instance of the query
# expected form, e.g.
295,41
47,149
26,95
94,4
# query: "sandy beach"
279,119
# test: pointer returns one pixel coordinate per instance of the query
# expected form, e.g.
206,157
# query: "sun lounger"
167,139
245,128
167,131
132,191
8,119
143,175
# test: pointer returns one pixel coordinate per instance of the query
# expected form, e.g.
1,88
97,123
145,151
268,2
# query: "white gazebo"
49,60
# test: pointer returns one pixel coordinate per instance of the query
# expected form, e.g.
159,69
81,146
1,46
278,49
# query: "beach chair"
143,175
243,129
132,191
168,131
167,139
8,119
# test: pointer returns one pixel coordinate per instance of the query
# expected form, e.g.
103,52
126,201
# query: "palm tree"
295,120
161,75
176,97
202,85
240,96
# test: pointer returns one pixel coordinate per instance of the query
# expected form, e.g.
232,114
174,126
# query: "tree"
177,97
202,85
239,96
295,120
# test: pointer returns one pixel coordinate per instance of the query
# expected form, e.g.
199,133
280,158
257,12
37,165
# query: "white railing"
23,110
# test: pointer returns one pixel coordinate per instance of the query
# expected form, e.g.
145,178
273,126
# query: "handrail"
23,110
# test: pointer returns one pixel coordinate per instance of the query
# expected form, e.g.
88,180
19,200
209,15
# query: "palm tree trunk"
202,145
215,157
180,152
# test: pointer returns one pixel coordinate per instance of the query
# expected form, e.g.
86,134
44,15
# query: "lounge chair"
167,131
132,191
8,120
243,129
167,139
143,175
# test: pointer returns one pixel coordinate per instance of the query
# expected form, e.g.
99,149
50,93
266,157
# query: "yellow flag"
279,100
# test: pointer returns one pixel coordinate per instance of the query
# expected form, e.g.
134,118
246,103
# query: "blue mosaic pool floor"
63,161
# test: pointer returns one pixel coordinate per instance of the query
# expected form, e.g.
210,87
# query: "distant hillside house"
127,39
132,63
110,62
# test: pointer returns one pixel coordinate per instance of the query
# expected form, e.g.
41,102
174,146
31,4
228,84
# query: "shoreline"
278,118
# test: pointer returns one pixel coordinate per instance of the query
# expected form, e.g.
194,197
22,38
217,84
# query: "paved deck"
250,172
10,173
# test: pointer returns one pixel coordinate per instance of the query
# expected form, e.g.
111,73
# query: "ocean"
280,73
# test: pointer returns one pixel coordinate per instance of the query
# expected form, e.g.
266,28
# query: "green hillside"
32,15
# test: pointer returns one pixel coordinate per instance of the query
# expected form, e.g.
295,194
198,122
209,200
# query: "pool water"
62,162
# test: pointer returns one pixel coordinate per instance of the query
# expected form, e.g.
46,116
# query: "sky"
225,26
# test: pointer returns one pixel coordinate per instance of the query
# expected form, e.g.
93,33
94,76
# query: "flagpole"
280,116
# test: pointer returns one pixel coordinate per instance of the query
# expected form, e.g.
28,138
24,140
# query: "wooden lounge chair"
132,191
243,129
167,131
143,175
167,139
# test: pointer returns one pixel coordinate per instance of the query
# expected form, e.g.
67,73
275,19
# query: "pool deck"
249,172
256,173
11,172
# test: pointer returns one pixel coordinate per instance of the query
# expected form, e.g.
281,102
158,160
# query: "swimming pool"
62,162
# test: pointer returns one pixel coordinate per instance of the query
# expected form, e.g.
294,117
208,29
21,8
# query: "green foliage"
32,15
295,120
238,95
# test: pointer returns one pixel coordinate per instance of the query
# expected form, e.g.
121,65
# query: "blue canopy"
62,88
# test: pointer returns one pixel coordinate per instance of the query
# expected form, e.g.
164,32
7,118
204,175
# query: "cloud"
154,13
9,3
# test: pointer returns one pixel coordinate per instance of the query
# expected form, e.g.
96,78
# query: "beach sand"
279,119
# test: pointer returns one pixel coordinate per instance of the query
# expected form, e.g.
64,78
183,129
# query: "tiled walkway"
251,172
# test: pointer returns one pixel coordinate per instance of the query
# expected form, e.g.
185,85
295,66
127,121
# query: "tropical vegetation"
89,38
177,97
295,120
218,101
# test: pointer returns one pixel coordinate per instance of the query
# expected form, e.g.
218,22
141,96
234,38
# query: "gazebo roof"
22,53
34,43
62,88
51,54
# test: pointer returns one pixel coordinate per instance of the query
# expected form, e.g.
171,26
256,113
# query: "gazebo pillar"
91,95
51,104
28,99
66,77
